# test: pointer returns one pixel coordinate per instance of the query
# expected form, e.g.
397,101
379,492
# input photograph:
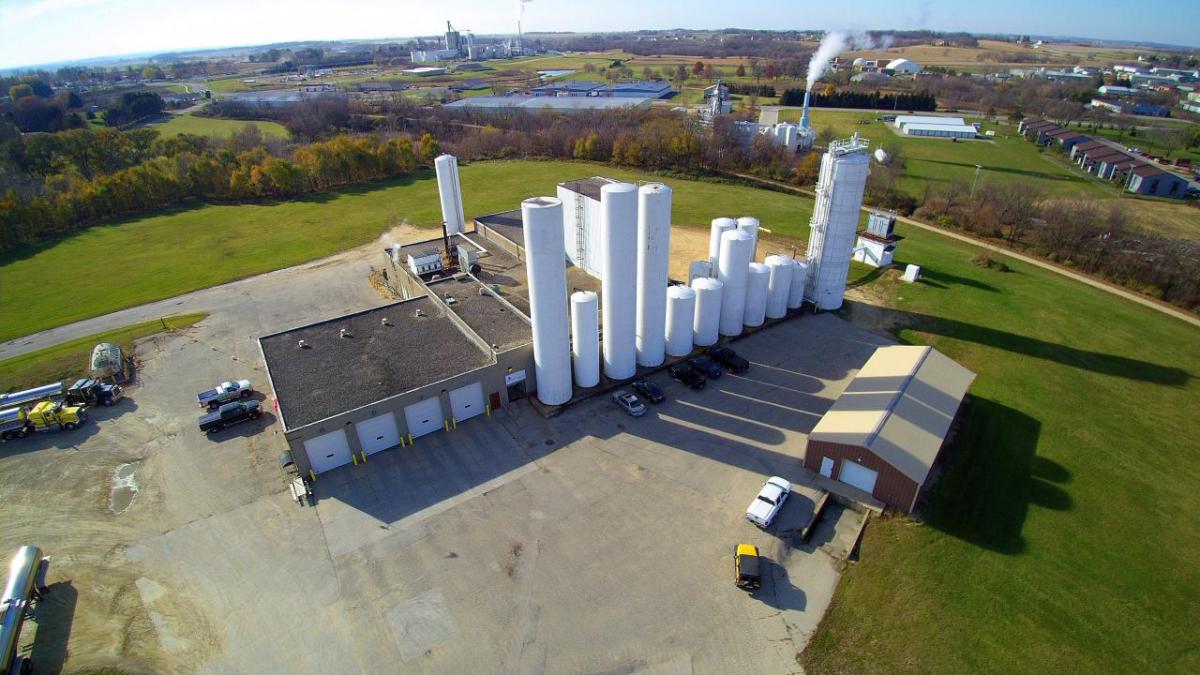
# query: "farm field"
187,123
969,58
1061,538
160,256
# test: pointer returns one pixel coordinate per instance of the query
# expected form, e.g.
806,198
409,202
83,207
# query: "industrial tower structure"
834,222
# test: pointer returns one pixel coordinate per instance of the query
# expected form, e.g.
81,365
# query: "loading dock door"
467,402
378,433
424,417
328,452
858,475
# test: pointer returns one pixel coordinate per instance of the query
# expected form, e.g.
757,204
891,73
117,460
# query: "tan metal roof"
899,406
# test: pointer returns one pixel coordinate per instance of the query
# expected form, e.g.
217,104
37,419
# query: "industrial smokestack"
804,122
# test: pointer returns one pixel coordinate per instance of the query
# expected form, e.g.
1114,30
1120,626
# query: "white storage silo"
681,317
719,226
758,278
707,324
835,220
653,259
736,248
698,269
779,286
749,224
546,267
449,192
585,338
799,278
618,240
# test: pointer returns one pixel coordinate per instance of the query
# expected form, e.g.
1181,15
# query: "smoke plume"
521,7
836,42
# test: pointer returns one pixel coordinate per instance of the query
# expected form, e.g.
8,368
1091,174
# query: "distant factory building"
1132,108
902,67
433,55
941,130
1116,90
424,71
568,88
564,104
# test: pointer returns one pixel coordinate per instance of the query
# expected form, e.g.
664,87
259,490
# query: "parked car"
229,415
687,375
649,391
728,358
224,393
706,367
747,567
628,402
769,501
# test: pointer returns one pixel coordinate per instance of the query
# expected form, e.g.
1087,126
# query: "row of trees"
874,100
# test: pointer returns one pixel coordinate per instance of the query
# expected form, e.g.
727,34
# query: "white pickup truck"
224,393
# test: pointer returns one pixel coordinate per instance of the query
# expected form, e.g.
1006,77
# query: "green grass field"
1063,538
164,255
187,123
70,359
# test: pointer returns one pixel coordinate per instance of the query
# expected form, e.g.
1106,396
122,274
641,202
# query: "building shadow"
55,615
991,475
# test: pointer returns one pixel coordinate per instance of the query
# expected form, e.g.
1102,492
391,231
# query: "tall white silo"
707,324
585,338
618,282
751,225
653,260
799,278
546,267
736,248
834,223
450,193
681,317
719,226
779,286
758,279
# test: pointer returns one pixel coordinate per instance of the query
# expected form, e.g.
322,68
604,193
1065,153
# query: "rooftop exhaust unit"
301,345
345,332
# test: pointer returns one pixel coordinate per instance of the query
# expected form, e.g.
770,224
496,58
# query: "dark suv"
649,391
728,358
687,375
706,367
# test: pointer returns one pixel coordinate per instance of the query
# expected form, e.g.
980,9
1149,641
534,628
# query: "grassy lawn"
70,359
1063,537
188,123
164,255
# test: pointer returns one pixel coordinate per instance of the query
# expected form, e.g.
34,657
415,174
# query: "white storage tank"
707,324
618,281
758,278
779,286
751,225
732,266
653,260
546,267
449,192
799,278
719,226
681,317
835,217
585,338
698,269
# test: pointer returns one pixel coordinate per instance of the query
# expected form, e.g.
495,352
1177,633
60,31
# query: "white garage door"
424,417
467,402
328,452
858,475
378,433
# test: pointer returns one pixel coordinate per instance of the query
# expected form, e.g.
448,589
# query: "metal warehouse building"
884,433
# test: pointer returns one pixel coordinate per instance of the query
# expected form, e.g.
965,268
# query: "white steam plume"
836,42
521,7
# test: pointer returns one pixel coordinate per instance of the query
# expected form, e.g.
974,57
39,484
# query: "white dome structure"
860,62
903,66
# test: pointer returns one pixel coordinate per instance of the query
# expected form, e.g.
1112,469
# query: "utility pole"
978,168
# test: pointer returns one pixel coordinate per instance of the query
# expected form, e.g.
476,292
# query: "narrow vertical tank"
546,267
585,338
618,239
779,286
719,226
681,317
699,268
799,277
758,278
707,325
449,192
653,258
732,266
749,224
834,222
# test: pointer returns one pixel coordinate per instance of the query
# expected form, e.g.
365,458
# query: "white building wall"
581,231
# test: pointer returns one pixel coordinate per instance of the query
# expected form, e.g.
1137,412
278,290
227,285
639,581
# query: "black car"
687,375
706,367
728,358
649,391
230,414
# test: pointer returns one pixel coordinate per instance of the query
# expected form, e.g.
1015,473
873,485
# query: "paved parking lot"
589,542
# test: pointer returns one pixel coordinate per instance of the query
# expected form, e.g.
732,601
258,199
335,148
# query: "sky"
50,31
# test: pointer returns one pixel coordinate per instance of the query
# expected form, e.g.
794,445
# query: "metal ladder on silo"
580,234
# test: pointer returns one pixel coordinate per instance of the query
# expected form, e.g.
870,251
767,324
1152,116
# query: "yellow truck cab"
52,416
747,567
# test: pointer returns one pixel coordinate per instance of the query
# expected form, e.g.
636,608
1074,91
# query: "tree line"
918,101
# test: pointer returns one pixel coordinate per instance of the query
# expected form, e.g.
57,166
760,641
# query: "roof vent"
302,345
345,332
419,313
451,301
385,321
